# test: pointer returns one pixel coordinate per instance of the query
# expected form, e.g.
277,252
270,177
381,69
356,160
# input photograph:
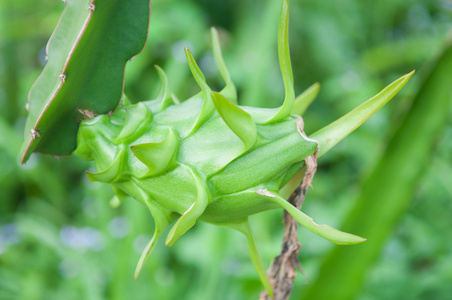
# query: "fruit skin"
203,159
184,169
156,157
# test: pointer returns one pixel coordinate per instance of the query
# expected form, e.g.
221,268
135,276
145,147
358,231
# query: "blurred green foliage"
59,237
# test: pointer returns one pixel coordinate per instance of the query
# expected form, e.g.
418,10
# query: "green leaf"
229,91
239,121
331,134
303,101
84,75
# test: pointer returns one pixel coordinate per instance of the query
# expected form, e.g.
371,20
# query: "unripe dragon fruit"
209,159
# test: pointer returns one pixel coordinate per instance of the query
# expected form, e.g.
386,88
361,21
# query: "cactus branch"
88,42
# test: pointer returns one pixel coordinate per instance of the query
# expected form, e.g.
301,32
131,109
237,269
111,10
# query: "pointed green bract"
137,116
164,95
285,65
240,122
331,134
85,71
208,107
196,71
111,173
244,227
303,101
189,217
160,156
325,231
161,222
229,91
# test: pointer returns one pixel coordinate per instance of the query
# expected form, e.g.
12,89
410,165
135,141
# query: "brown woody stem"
283,268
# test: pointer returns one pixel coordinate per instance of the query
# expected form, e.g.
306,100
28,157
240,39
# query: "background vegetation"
60,238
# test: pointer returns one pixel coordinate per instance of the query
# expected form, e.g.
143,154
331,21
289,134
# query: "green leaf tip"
305,99
331,134
158,157
329,233
286,67
229,91
239,121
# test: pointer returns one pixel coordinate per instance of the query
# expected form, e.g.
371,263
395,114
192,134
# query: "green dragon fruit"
209,159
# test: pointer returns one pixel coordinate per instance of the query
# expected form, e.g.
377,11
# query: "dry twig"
283,268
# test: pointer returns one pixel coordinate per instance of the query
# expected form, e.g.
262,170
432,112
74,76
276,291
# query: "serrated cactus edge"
84,74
